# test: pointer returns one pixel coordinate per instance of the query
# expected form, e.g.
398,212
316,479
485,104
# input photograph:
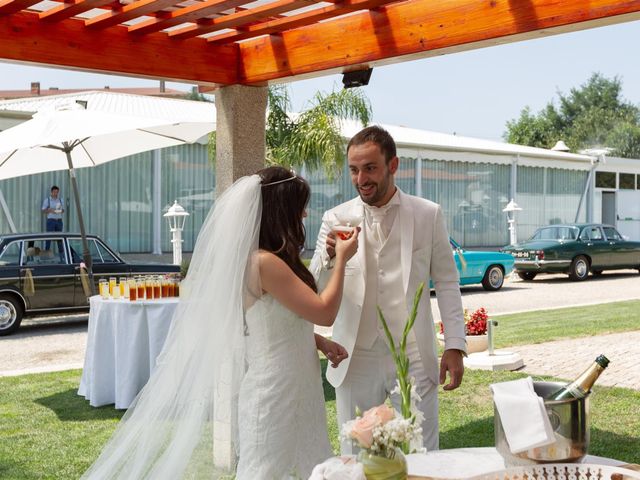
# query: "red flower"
475,323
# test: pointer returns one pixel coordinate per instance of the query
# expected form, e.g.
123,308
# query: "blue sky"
471,93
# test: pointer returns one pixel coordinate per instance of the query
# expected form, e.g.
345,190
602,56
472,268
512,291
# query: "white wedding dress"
281,410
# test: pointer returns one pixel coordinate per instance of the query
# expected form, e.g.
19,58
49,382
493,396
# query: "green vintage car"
574,249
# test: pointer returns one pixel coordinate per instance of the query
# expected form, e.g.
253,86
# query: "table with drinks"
128,324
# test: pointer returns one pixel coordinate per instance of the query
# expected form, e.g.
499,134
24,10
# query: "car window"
107,257
612,233
556,233
46,251
75,245
10,254
595,233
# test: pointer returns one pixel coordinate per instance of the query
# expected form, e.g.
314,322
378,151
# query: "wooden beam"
71,9
8,7
295,21
129,12
241,18
192,13
419,29
23,38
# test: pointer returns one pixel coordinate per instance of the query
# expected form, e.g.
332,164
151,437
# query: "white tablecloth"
123,342
468,462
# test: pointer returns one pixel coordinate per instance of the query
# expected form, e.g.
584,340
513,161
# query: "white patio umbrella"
75,138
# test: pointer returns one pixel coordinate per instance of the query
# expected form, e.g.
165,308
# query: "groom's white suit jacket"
425,253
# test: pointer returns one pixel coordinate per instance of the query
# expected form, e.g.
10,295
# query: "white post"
176,240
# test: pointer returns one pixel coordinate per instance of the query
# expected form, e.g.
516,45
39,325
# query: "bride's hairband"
281,181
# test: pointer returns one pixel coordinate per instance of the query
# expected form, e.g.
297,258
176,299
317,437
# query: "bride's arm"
287,288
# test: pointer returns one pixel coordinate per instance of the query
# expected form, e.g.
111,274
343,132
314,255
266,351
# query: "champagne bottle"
580,387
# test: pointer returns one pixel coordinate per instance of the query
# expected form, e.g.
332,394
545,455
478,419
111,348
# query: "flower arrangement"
380,430
474,323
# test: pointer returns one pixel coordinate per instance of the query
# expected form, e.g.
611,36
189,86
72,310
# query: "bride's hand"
347,248
334,352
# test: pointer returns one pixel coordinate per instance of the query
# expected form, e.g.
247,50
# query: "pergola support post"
240,150
240,133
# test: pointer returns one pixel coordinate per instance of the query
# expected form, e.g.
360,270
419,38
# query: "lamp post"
511,209
176,216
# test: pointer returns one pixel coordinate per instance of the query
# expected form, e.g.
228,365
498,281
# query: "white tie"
377,217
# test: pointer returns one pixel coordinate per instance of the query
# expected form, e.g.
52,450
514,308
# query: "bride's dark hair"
284,198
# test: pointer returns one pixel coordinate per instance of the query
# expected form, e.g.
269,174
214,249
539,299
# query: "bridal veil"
168,432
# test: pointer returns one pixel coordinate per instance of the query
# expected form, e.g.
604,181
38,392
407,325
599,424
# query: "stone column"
240,150
240,133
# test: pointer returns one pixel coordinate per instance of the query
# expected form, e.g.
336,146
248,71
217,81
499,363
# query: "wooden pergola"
231,42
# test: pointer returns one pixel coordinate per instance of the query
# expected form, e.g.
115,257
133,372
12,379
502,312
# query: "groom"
403,242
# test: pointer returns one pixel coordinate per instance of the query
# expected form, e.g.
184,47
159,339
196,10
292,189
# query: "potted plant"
475,326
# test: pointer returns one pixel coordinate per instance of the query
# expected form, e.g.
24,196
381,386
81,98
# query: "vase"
377,467
475,343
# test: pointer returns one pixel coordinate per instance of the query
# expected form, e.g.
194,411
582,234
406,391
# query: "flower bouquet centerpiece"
383,434
475,329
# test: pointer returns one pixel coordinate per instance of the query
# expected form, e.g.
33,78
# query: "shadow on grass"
478,433
69,406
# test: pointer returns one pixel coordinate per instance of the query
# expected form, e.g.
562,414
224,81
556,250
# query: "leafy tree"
594,115
311,138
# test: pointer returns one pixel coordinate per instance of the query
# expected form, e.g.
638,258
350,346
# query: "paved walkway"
568,358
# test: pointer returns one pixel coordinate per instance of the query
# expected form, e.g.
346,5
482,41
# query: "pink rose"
362,430
383,412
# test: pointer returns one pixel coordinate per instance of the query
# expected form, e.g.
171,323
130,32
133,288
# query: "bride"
242,335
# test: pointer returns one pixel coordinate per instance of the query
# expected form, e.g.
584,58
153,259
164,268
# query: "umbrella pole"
85,245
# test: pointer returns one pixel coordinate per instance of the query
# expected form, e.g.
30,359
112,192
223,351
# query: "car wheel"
579,269
527,275
11,312
493,278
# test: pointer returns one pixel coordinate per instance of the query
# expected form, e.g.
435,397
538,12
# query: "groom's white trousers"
371,378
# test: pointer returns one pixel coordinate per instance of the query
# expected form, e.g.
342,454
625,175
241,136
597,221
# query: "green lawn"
544,326
48,432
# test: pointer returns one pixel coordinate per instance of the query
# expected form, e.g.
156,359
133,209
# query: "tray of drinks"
145,287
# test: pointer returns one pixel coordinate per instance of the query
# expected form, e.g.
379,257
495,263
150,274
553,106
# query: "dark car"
40,274
574,249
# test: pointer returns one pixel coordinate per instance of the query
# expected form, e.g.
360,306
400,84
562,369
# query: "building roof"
36,91
425,143
123,103
468,148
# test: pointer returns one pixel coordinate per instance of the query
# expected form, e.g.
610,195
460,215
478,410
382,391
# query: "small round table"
123,341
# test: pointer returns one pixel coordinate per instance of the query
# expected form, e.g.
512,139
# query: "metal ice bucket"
570,422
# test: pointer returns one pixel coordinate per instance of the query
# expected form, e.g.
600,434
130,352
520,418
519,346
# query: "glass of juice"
148,287
132,286
140,285
103,285
123,288
112,284
157,287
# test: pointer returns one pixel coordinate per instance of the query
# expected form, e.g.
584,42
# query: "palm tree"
312,138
